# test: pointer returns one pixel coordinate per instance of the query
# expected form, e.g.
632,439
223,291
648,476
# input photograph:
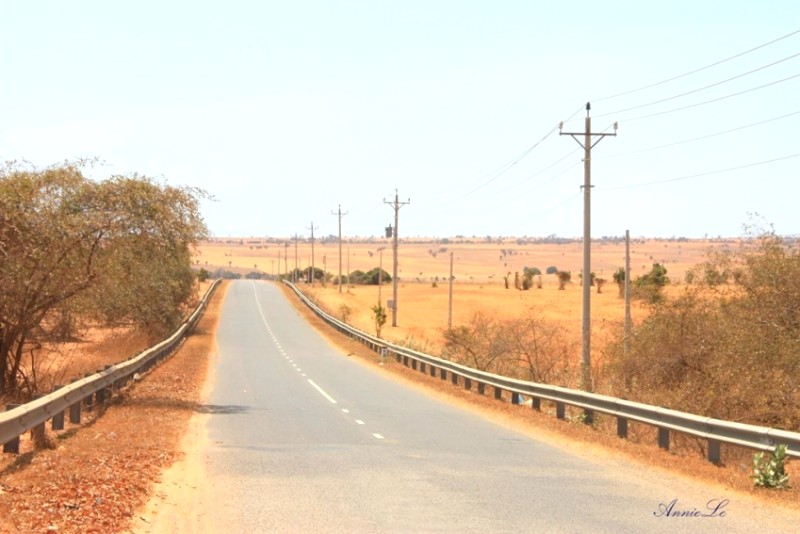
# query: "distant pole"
450,297
285,257
586,375
396,205
340,214
348,269
294,274
312,228
627,336
380,274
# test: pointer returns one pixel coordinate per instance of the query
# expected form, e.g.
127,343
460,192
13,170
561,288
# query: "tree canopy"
116,250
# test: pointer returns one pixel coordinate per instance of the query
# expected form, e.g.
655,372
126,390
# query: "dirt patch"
98,475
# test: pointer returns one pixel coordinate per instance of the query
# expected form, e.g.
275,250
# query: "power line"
709,86
725,97
700,138
699,175
695,71
503,168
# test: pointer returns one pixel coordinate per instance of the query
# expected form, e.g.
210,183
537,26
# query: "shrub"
771,472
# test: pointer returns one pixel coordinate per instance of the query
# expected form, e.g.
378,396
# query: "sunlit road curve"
303,438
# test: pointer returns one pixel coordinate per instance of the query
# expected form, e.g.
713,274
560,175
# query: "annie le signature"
713,508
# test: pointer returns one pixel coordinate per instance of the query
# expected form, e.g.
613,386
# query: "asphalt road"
300,437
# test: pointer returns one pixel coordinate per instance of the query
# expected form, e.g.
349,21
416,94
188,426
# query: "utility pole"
627,338
396,205
340,243
450,296
587,145
312,228
285,257
294,274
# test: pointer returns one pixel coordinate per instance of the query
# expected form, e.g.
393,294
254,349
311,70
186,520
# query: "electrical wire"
699,89
552,208
718,99
695,71
699,175
700,138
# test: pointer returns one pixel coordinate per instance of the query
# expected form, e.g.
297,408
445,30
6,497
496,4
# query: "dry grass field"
478,270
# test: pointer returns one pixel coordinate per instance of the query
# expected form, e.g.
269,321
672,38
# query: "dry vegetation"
670,366
98,475
105,469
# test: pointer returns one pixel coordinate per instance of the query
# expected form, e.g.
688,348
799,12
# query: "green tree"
72,247
379,315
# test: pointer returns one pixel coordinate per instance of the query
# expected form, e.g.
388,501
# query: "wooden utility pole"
396,205
587,145
312,228
294,274
627,335
340,243
286,257
450,296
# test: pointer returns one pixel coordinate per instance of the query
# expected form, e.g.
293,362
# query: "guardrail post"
57,422
454,378
663,438
13,445
588,416
561,410
498,393
516,398
714,451
405,360
422,367
75,410
467,383
536,403
37,432
622,427
414,364
443,373
89,400
433,370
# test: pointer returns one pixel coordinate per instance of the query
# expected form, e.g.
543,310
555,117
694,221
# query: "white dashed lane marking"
299,370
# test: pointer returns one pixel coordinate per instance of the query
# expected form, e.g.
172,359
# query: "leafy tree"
727,351
563,278
648,286
116,249
379,315
552,270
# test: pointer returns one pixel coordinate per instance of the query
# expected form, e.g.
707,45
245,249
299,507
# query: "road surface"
300,437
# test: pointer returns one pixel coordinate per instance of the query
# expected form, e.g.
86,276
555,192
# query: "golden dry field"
478,270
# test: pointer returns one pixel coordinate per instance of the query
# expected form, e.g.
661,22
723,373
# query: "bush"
771,472
730,351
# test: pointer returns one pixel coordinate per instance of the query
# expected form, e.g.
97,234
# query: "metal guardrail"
715,431
31,415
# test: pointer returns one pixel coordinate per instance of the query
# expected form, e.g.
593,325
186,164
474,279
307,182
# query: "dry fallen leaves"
100,472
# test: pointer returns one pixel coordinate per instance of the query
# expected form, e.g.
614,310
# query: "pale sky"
284,111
